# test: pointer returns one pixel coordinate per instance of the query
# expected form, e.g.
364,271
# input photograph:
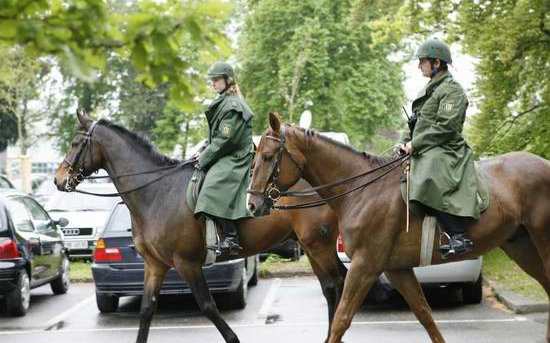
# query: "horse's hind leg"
192,273
522,250
154,275
405,282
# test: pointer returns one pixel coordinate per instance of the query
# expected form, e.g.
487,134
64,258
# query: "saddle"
212,234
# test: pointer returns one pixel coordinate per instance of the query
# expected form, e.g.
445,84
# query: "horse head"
83,158
278,165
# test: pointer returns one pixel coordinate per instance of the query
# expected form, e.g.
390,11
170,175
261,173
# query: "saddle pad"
211,242
429,226
193,189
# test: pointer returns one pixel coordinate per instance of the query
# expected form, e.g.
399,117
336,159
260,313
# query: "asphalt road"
278,310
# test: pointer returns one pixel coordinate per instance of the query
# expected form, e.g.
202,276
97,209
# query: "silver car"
463,274
87,215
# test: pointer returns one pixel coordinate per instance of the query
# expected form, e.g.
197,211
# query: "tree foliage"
84,34
324,53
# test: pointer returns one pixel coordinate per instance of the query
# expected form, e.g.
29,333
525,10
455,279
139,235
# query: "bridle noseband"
272,190
75,174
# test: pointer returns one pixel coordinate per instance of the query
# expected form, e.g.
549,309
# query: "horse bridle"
272,190
75,174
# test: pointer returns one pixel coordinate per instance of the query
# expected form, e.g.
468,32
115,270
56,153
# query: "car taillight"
8,249
340,244
105,254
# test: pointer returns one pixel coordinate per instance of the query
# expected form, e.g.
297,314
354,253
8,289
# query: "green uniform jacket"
227,159
443,174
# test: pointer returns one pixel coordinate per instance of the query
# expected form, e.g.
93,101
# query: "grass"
276,266
81,271
499,268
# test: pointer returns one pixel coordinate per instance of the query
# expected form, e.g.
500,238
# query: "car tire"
472,292
62,283
106,303
18,301
296,253
254,279
237,299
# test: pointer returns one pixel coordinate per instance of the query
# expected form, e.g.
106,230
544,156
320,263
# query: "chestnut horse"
165,231
372,220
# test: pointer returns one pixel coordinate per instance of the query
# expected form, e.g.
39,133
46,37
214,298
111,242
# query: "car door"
50,237
24,229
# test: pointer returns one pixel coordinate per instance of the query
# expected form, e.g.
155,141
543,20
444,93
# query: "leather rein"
273,193
75,173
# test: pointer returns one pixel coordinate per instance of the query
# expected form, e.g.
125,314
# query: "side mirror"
61,222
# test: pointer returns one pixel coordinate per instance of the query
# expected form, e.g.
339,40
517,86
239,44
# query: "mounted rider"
227,157
443,176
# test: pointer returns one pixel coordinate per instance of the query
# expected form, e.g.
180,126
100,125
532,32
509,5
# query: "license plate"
77,245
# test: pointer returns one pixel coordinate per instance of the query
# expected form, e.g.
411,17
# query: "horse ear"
83,118
275,121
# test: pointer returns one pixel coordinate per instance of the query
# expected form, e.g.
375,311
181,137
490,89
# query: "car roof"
6,192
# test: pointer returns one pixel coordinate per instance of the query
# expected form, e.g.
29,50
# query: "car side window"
4,183
39,216
20,215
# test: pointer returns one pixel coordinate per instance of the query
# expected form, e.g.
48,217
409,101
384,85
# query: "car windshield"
69,202
119,220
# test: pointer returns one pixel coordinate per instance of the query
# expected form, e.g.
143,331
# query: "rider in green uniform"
443,179
227,157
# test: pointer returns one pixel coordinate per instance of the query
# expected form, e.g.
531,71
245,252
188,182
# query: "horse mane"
142,142
374,159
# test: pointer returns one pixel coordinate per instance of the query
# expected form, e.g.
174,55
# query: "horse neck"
327,162
121,157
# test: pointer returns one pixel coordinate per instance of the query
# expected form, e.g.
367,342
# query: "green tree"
324,52
84,34
21,77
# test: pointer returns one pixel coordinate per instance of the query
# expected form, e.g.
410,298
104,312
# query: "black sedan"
32,253
118,269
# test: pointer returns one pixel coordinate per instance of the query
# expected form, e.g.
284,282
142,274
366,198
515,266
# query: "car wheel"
19,300
254,279
237,299
61,284
472,292
106,303
296,253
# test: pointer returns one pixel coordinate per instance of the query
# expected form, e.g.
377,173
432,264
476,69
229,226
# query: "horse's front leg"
154,275
331,274
191,271
406,283
358,282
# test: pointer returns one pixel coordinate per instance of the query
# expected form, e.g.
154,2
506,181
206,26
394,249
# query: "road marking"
55,320
517,319
269,299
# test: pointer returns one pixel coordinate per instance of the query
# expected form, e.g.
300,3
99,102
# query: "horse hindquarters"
191,271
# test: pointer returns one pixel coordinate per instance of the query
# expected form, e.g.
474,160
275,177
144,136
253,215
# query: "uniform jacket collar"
432,84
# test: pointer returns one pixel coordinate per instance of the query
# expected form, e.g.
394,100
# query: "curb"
517,303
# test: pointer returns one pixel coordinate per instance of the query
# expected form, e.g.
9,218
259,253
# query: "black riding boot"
456,226
230,243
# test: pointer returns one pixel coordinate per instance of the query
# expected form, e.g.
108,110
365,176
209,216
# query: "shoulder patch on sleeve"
225,129
448,106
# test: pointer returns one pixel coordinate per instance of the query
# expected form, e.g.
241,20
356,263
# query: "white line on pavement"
67,313
187,327
269,299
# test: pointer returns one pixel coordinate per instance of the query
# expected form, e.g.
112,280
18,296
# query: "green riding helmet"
434,48
221,69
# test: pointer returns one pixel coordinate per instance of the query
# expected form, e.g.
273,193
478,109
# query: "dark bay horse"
166,233
372,220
